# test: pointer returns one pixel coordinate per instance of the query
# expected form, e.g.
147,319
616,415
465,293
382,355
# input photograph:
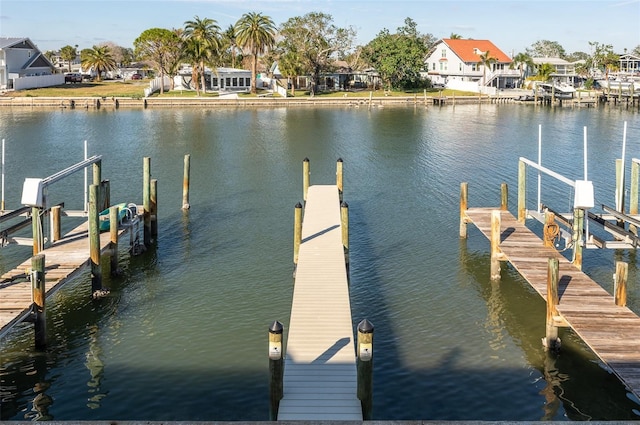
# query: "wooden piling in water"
344,224
577,234
94,240
464,203
306,177
113,239
185,182
522,191
55,223
620,286
276,368
36,227
495,245
153,202
504,197
551,340
364,366
297,232
551,229
146,199
339,174
38,291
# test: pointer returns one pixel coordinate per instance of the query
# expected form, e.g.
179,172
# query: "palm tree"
522,61
544,71
255,32
455,36
68,53
229,37
99,58
202,39
485,60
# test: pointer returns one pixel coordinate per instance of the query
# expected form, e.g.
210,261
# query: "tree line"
307,45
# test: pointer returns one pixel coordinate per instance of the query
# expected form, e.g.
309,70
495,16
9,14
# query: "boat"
125,212
619,85
561,91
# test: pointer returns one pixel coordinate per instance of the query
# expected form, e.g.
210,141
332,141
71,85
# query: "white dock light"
32,193
583,197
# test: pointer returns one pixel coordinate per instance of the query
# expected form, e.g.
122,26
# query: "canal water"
183,333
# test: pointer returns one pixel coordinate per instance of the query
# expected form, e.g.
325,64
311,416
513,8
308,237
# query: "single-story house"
23,66
220,79
457,63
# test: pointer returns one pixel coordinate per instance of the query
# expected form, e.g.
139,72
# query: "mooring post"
97,180
620,285
464,202
578,226
94,240
105,195
633,193
551,229
297,232
344,224
495,244
619,190
153,200
276,368
185,182
55,223
365,367
146,199
306,177
38,291
551,340
113,242
504,197
339,177
522,191
36,227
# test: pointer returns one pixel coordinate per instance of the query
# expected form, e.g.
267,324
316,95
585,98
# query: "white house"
564,71
23,66
222,79
457,64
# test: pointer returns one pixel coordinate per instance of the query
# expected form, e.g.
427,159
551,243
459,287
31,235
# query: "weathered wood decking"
63,260
611,331
320,379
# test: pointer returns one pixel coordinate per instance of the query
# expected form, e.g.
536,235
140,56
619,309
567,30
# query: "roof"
550,61
470,50
6,42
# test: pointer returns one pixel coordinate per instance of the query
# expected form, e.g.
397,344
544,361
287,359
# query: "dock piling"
36,227
113,236
146,199
344,224
339,174
153,202
551,340
185,182
495,245
620,286
306,177
55,223
276,368
504,197
297,232
577,235
464,202
94,241
39,295
365,367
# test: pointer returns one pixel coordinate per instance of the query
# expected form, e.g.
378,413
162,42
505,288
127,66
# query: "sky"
512,25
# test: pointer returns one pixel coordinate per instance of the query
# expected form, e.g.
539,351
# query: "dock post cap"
365,327
276,327
343,204
298,205
339,160
305,159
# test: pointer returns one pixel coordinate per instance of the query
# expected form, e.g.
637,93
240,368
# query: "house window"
444,53
228,81
460,66
235,82
247,81
214,82
443,66
474,66
434,66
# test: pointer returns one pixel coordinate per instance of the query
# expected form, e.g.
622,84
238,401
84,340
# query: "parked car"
72,77
136,77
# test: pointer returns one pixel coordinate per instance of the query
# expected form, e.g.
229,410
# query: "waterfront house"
220,79
457,63
23,66
564,71
629,65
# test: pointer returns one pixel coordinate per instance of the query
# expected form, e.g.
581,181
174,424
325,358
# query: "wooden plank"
320,377
611,331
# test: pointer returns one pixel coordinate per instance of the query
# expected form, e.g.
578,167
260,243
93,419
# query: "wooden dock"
611,331
320,377
63,260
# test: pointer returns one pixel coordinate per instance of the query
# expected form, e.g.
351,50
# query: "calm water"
183,335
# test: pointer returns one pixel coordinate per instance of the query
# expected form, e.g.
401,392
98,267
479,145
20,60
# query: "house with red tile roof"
458,63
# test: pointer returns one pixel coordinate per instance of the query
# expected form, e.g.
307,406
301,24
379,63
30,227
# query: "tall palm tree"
522,61
485,60
99,58
229,37
202,37
255,33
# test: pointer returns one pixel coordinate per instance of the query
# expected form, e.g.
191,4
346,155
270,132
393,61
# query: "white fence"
22,83
154,86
